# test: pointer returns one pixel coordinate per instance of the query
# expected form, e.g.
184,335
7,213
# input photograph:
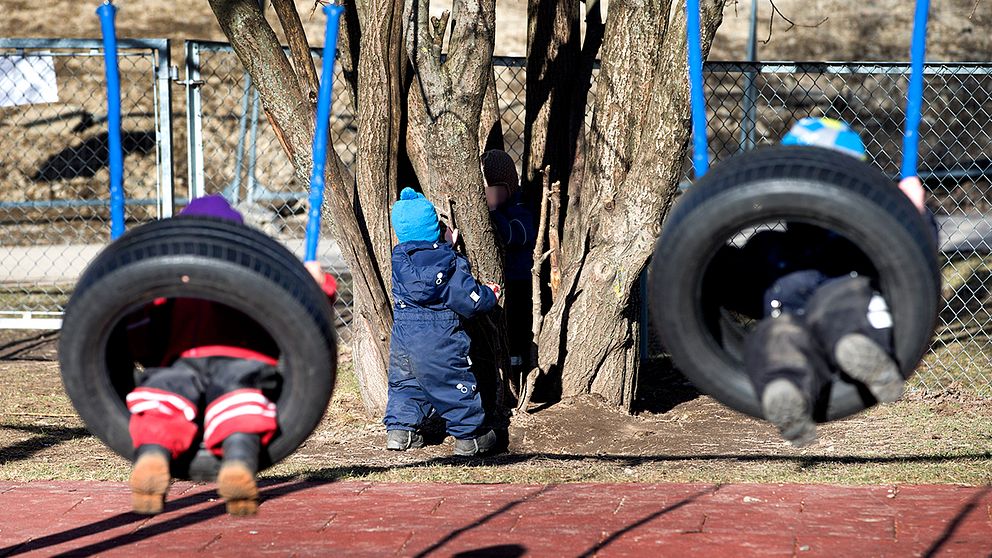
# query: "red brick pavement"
373,519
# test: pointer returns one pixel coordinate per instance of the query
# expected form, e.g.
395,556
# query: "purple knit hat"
214,206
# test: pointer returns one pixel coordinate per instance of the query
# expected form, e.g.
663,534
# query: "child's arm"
466,296
326,281
514,229
913,188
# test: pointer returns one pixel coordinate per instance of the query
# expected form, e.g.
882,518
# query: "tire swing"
790,184
200,258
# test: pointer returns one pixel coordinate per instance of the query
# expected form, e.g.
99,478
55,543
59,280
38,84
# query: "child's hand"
913,188
451,236
494,288
326,281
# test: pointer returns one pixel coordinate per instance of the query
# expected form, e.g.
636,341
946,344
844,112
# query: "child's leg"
787,372
238,421
163,409
519,315
406,404
853,324
236,478
447,380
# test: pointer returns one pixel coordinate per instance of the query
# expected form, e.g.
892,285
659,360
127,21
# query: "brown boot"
150,479
236,479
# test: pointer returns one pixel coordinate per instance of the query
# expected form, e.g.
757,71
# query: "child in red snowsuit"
215,360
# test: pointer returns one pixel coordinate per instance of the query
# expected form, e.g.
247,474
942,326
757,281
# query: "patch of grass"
31,297
922,439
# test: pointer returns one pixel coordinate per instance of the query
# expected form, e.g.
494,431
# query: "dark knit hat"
214,206
500,170
414,217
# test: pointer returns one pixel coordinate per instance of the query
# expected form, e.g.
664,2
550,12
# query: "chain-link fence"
54,208
955,165
234,151
749,103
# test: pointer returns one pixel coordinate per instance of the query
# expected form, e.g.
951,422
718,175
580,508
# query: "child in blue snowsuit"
429,365
515,228
819,312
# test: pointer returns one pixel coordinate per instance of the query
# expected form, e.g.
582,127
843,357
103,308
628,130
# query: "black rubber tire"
790,183
207,259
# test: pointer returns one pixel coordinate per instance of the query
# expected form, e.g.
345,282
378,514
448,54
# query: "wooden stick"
553,239
530,378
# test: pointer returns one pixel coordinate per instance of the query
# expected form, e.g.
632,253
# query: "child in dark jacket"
515,228
816,297
214,360
429,365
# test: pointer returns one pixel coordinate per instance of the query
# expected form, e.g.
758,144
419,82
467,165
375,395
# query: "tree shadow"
87,158
594,550
23,348
277,487
956,522
47,436
483,520
359,471
496,551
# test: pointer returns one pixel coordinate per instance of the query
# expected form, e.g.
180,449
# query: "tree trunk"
379,112
291,111
636,148
552,64
445,104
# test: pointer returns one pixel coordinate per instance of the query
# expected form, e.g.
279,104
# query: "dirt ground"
677,436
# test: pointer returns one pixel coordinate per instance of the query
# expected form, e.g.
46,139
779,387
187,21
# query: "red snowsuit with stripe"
214,359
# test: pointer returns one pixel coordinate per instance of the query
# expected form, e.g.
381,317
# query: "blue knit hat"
414,217
826,132
214,205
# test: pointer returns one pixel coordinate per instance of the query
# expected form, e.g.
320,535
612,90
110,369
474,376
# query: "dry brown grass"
946,439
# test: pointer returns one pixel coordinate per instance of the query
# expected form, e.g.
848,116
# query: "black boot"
480,445
236,479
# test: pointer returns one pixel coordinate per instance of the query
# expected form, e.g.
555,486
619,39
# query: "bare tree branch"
974,8
529,378
438,27
420,49
771,22
299,48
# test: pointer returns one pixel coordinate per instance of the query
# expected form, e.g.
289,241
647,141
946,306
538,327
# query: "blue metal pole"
333,13
700,157
107,11
914,100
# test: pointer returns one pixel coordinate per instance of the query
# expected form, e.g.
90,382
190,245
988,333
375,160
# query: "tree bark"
552,65
452,95
290,108
379,111
636,147
299,48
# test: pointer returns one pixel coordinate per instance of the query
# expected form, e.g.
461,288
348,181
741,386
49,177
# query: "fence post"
163,125
194,122
750,117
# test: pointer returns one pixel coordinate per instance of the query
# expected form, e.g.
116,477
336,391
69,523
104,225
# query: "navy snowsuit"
515,227
429,364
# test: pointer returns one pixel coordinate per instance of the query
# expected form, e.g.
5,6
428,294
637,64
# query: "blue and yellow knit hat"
826,132
414,217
